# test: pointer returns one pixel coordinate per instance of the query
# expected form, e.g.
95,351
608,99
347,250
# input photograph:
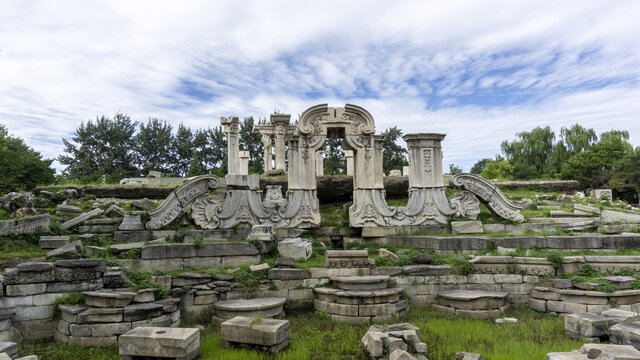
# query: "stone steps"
477,304
359,299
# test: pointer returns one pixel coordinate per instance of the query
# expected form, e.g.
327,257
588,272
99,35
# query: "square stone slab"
242,330
162,342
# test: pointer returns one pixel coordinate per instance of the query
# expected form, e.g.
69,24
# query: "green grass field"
316,338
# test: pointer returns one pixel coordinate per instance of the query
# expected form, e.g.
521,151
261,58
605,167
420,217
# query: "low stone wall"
567,301
473,243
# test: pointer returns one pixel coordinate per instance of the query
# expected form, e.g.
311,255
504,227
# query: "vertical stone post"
243,168
280,122
348,154
266,142
319,163
230,125
425,160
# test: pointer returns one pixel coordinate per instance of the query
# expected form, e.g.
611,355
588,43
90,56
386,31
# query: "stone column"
266,142
319,163
349,155
280,123
230,125
243,168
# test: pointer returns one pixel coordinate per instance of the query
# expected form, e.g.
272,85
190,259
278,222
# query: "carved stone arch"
354,119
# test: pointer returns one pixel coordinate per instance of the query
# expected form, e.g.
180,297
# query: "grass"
314,337
14,249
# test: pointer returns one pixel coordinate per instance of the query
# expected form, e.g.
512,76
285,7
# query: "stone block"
538,305
587,324
144,311
466,227
227,249
65,252
26,289
508,278
145,295
242,330
105,299
131,236
160,342
202,262
33,313
87,285
426,270
53,242
164,251
289,274
240,260
100,315
296,248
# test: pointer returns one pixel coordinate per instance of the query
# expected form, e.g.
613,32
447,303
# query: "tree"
454,169
252,142
530,154
498,170
21,167
577,138
394,156
195,166
181,150
593,167
104,147
334,162
479,166
153,145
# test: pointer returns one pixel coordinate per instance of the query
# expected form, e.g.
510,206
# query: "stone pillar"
280,122
348,154
266,142
243,168
230,125
319,163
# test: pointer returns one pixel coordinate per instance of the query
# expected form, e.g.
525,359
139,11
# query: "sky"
478,71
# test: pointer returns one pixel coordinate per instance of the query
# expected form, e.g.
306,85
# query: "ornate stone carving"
489,194
466,204
353,118
427,160
179,199
273,198
618,216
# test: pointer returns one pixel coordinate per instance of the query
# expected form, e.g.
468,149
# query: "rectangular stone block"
24,290
33,313
240,260
538,305
202,262
53,242
480,278
227,249
508,278
160,342
165,251
586,324
241,330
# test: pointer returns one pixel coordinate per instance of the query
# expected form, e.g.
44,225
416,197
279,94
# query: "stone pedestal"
268,334
131,221
160,342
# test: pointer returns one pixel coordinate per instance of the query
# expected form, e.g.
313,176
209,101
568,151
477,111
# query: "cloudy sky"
479,71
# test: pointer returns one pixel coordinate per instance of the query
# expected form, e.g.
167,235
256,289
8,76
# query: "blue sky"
479,71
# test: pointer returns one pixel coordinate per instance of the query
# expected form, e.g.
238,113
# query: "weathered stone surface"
386,254
489,194
9,348
289,274
190,279
426,270
120,248
268,307
164,251
79,219
609,351
347,258
422,259
131,221
468,356
472,299
587,325
53,242
143,204
361,283
96,264
242,330
33,313
466,227
100,315
261,268
611,216
602,194
625,334
296,248
27,225
34,267
181,343
145,295
139,312
227,249
94,250
26,289
59,287
66,252
104,299
285,263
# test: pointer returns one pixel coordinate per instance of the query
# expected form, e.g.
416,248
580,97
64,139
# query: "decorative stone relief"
26,226
179,199
466,204
273,198
611,216
489,194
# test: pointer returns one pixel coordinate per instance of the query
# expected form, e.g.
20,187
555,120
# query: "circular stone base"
472,299
361,283
268,307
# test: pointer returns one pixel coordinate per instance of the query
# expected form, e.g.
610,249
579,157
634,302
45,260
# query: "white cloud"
410,63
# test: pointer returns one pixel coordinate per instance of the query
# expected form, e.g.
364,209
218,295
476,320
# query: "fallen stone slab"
289,274
259,269
137,312
610,352
267,334
167,251
227,249
120,248
27,225
66,252
53,242
190,279
104,299
9,348
625,334
466,227
65,210
587,325
426,270
423,259
79,219
160,342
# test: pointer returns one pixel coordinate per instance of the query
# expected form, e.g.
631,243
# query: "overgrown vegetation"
142,280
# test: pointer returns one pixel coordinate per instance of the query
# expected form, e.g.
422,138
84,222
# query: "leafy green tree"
153,145
251,142
530,154
181,150
625,176
195,166
498,170
334,161
104,147
577,138
479,166
21,167
394,156
218,143
454,169
593,167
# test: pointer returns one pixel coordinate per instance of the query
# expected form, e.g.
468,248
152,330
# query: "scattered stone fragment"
285,262
468,356
422,259
259,269
144,204
506,320
386,254
66,252
66,210
295,248
114,210
90,251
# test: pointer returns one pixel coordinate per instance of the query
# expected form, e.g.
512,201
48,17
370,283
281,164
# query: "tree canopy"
21,167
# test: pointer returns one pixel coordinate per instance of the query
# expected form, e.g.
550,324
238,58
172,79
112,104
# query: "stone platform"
160,342
477,304
359,299
270,335
267,307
